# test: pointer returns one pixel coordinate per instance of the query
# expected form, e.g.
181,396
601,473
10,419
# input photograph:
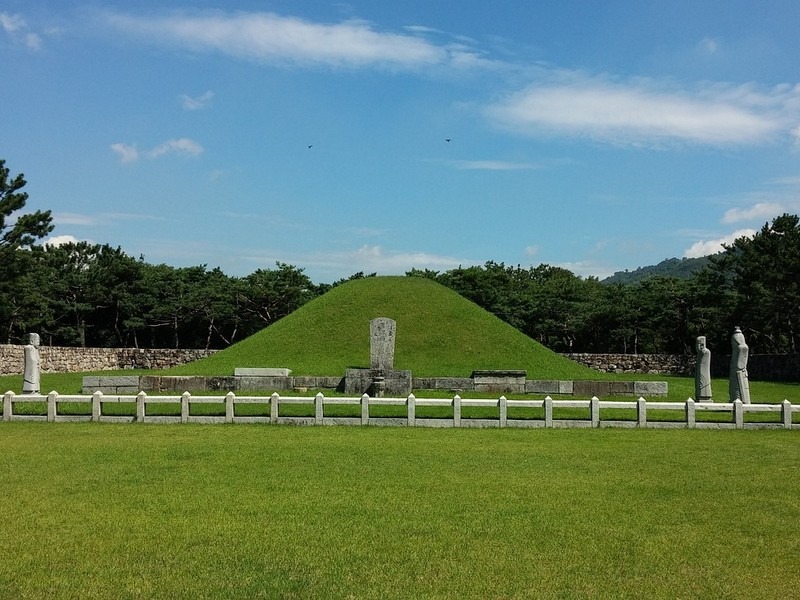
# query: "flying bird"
311,145
446,139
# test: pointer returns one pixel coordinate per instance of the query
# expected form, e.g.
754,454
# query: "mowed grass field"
158,511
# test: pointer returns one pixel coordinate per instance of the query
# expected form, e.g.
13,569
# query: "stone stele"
381,343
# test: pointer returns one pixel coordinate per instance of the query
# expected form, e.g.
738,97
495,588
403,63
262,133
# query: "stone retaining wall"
59,359
663,364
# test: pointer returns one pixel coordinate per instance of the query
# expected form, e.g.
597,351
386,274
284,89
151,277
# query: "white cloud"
531,250
646,112
278,39
200,102
16,27
707,247
176,146
760,211
60,240
126,152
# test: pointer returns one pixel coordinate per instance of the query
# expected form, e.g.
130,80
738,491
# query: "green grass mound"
439,333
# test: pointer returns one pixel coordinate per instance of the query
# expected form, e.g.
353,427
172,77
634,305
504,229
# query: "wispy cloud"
103,218
183,146
196,103
587,268
367,258
648,112
126,152
17,29
760,211
493,165
707,247
274,38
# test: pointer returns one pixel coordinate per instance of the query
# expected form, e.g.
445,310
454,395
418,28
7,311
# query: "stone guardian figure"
702,378
739,384
31,372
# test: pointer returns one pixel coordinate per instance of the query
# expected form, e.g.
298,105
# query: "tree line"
82,294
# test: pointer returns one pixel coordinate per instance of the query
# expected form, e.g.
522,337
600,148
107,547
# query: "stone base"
261,372
497,381
362,381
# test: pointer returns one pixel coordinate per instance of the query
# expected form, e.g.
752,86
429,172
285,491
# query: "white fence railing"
547,412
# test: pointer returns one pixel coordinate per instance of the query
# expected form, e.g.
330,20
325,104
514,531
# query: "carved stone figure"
31,372
739,384
702,379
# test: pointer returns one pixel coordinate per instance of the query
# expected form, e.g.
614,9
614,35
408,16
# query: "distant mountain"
682,268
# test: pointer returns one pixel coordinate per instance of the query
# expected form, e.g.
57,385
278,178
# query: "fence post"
786,413
140,412
185,407
274,400
411,405
97,402
456,411
738,414
8,399
51,406
365,409
548,411
503,405
691,417
641,410
318,409
594,411
229,398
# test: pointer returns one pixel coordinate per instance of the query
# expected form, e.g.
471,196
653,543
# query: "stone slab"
650,388
541,386
264,383
566,387
261,372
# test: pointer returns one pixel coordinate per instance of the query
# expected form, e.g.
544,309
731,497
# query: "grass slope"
439,333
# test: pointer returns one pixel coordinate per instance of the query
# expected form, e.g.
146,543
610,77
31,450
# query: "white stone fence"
552,411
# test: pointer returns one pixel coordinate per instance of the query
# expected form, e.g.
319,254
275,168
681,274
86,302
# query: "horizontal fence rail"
499,412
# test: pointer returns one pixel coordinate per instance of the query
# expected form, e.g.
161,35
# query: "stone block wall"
664,364
59,359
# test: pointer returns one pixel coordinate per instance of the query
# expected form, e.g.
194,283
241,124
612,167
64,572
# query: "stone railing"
60,359
436,412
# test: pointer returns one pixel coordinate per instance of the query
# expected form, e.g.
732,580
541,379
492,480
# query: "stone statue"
31,373
702,378
739,384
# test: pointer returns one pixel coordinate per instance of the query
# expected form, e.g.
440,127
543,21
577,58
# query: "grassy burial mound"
439,333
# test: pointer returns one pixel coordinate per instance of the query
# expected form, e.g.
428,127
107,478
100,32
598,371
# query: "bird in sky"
311,145
446,139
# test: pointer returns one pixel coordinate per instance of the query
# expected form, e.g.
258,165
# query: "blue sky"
597,136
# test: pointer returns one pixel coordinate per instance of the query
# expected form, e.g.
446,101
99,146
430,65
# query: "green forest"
83,294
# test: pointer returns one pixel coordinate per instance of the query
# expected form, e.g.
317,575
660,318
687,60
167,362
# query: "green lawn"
139,511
